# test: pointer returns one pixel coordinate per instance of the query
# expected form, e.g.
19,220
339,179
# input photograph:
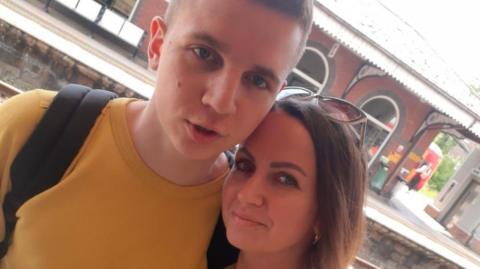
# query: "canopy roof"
377,35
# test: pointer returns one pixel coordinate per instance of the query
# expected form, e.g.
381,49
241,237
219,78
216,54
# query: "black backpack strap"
220,252
51,147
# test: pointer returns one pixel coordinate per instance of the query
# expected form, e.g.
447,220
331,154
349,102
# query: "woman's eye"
257,81
243,165
287,180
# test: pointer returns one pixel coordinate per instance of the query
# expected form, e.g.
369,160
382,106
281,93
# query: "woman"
423,171
294,198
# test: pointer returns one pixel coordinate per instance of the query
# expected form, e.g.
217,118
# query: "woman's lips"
246,220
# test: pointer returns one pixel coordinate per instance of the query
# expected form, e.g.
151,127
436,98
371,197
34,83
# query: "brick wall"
27,63
146,10
412,110
474,244
390,250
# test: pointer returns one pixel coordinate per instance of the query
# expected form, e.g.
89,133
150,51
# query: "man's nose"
222,93
252,192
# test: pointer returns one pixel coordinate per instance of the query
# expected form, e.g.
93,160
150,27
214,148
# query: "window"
383,115
311,72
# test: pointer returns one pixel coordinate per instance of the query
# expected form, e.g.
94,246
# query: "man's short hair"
299,10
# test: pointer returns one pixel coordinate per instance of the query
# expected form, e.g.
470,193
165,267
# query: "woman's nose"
252,192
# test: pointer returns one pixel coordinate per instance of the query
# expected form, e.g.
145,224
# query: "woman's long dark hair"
341,181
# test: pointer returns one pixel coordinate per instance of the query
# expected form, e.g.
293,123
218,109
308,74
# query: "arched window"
383,117
311,72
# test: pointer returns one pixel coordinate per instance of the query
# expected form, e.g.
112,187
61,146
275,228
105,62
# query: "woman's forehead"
280,133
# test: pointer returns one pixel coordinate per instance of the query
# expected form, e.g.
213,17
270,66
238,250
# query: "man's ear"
158,29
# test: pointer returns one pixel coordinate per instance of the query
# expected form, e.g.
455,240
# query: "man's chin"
201,152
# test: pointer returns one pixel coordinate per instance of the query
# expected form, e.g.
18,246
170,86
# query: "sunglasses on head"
336,109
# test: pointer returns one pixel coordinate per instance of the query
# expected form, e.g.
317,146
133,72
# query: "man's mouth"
201,134
204,130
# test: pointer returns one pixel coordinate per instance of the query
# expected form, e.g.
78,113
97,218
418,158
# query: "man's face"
219,66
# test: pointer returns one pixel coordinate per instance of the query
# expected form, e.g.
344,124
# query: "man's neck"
160,155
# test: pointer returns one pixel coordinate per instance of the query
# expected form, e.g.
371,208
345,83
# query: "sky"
452,28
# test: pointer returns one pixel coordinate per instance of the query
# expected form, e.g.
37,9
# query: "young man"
144,191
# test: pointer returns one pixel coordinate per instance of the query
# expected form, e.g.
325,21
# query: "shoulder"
18,117
37,96
20,114
25,107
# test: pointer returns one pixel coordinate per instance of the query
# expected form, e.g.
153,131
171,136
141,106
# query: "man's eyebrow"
267,72
288,165
211,41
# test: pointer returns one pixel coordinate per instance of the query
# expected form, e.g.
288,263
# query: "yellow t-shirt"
110,210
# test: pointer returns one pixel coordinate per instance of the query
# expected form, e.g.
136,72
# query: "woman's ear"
158,29
316,232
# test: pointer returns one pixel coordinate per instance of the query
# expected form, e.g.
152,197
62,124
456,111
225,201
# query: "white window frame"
134,9
381,124
311,80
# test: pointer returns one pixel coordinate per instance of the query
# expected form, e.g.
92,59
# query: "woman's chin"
245,242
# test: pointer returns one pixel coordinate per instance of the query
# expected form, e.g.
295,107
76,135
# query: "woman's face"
269,197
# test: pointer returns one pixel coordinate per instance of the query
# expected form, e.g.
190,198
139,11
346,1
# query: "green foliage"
443,173
429,193
445,142
476,89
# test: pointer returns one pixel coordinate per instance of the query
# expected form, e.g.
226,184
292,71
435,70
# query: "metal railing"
7,91
363,264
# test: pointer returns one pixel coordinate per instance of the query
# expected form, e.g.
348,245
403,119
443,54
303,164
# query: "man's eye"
204,54
243,165
258,81
287,180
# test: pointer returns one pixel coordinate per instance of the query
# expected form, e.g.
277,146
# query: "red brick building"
360,51
384,67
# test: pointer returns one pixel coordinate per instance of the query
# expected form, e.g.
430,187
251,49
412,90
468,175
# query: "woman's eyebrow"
288,165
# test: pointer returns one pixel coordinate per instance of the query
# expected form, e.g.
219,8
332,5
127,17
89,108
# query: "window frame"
310,79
